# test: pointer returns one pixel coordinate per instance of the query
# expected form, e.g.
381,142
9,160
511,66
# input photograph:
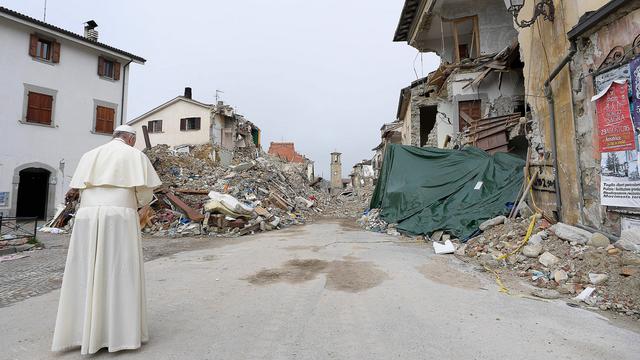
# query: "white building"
61,95
184,121
179,121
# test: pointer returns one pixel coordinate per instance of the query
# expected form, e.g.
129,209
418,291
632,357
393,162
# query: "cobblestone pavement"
41,271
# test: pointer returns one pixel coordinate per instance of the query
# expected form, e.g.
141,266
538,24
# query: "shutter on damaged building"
183,124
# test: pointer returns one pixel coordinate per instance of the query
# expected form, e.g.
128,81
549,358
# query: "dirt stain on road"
348,276
440,272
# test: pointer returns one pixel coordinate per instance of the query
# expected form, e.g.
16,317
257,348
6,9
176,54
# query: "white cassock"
102,300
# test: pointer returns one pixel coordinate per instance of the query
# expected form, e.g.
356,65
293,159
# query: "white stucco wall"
171,134
443,125
77,87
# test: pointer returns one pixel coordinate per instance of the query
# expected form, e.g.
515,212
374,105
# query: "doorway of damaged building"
32,193
427,123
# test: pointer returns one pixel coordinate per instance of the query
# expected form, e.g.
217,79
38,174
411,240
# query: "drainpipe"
124,77
552,121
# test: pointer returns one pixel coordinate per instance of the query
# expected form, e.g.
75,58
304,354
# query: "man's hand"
72,195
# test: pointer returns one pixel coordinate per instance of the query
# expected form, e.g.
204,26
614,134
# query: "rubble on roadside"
254,193
572,262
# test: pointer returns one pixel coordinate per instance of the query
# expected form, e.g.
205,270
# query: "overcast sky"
323,74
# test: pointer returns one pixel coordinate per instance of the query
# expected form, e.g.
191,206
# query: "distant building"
179,121
285,151
185,121
336,173
62,94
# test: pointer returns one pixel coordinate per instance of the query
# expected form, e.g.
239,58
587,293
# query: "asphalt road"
331,291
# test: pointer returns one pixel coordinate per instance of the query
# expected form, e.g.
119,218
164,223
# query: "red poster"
615,128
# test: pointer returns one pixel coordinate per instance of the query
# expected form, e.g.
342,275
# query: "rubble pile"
562,261
350,204
255,192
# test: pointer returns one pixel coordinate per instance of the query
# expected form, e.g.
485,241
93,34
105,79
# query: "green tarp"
429,189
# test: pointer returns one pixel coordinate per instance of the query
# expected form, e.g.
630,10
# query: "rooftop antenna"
218,92
44,18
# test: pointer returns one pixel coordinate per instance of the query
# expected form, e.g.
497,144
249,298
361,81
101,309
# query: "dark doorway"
427,122
32,193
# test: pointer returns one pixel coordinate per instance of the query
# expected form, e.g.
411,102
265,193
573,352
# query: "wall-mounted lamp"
542,7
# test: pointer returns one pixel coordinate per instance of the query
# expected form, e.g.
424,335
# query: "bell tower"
336,173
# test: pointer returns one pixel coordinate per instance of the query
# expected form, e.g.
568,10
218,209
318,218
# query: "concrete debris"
493,222
571,234
598,240
560,275
563,267
548,259
629,240
597,279
247,193
545,294
532,251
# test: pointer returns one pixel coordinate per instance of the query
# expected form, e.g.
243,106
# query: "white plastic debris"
446,248
584,295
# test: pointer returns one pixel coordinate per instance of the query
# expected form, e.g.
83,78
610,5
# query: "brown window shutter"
116,70
33,45
183,124
100,66
149,127
105,118
197,123
55,55
39,108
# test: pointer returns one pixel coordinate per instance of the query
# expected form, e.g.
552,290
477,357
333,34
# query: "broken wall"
494,23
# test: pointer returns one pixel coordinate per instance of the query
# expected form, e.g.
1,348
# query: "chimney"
187,92
90,31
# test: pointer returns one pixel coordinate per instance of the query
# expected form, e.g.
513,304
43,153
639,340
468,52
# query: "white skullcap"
126,128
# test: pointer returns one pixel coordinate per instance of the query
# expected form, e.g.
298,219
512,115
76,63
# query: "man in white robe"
102,300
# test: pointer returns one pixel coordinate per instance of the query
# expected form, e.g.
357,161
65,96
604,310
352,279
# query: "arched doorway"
33,193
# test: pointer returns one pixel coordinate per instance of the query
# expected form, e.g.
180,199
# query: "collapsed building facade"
184,121
479,77
521,76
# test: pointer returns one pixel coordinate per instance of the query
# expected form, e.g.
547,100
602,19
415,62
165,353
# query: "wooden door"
468,111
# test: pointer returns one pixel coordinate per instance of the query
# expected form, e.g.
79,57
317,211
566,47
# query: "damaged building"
476,95
287,151
528,77
184,121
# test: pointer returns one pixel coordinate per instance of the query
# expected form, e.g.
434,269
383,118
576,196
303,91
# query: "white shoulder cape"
115,164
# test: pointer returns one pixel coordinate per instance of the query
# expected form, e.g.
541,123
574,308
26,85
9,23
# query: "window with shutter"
105,119
108,68
44,49
192,123
154,126
39,108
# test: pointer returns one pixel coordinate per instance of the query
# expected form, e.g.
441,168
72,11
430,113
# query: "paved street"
331,291
41,271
